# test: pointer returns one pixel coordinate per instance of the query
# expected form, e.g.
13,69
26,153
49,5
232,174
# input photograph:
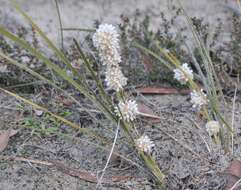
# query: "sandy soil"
183,150
82,14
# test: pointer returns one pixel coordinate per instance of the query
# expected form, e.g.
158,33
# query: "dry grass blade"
185,146
82,88
236,185
232,122
146,50
48,42
93,74
147,112
21,159
81,174
35,74
80,85
109,158
69,123
84,175
162,91
61,72
79,29
60,24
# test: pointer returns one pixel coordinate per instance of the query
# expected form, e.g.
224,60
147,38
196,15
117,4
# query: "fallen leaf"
235,168
121,178
13,132
234,174
81,174
87,176
4,138
64,101
162,90
147,112
148,65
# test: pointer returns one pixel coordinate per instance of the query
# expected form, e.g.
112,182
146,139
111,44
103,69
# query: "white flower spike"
115,79
212,128
180,76
144,144
198,98
128,110
106,40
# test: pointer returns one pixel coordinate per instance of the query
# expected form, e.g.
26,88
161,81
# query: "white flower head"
144,144
106,40
198,98
128,110
115,79
180,76
212,128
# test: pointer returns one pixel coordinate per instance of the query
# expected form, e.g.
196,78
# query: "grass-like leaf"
48,42
102,103
69,123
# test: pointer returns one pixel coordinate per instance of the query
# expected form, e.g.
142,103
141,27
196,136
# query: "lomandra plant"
207,98
116,106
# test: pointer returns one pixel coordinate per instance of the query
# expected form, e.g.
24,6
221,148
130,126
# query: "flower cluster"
106,40
144,144
198,98
183,74
212,128
114,78
127,110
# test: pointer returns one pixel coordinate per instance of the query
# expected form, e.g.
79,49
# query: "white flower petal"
198,98
106,40
128,110
212,128
115,79
180,76
144,144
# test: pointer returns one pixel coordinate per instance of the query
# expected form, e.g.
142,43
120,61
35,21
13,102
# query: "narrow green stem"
60,24
92,72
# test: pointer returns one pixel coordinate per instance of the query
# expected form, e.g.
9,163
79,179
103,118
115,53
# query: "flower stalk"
106,41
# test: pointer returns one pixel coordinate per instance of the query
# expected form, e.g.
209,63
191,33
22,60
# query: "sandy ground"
83,13
184,152
174,136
